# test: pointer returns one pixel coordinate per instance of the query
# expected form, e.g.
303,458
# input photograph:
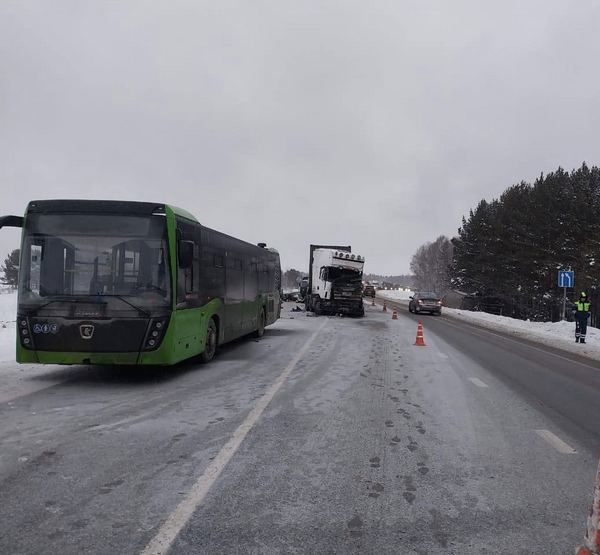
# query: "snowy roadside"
560,335
8,312
395,295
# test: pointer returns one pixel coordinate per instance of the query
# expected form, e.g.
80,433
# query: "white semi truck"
335,281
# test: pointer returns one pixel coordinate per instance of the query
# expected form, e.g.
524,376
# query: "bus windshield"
70,256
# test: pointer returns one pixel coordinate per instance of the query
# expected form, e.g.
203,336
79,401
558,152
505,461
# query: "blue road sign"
566,278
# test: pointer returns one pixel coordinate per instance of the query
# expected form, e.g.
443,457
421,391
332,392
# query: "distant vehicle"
335,281
111,282
368,291
303,289
425,301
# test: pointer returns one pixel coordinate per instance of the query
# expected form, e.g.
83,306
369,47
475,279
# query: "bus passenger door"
234,297
250,296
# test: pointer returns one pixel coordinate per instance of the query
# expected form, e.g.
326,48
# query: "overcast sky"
375,124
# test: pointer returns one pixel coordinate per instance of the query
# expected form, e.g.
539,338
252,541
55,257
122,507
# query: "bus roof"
99,206
183,213
90,206
62,206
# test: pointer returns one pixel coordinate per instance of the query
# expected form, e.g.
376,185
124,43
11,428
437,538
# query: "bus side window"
251,281
263,278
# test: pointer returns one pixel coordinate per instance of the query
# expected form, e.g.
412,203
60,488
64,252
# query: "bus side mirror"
11,221
186,253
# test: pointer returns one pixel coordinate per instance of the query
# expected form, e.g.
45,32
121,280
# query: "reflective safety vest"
583,306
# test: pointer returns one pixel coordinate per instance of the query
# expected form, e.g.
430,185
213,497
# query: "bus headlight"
24,332
155,333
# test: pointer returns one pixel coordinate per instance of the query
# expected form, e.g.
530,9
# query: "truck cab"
335,281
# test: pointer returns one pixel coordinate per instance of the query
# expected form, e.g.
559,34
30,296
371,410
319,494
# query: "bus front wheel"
210,346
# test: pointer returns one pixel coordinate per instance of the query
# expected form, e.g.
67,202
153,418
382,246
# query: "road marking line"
171,528
556,442
443,355
478,382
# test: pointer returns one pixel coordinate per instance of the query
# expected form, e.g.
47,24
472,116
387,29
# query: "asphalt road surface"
328,435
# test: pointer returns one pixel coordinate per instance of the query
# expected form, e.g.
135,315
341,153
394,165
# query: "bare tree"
430,265
291,278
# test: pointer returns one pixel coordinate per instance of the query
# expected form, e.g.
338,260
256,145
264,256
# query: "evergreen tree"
511,248
9,271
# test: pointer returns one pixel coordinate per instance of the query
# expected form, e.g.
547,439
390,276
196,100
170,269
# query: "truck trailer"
335,281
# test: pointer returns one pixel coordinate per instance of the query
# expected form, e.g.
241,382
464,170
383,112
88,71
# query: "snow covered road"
368,444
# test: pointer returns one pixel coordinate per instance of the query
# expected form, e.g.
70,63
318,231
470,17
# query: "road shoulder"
587,360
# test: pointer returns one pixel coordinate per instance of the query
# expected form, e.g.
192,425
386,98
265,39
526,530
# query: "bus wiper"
63,299
121,298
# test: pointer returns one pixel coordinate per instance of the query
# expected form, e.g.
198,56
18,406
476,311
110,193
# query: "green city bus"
111,282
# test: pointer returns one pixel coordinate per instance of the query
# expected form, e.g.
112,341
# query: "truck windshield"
83,255
335,274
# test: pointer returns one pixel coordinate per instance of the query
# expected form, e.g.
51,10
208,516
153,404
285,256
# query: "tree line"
508,250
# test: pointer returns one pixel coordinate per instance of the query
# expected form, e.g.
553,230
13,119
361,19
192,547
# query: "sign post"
566,278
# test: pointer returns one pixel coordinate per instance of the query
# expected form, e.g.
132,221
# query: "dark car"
425,301
369,291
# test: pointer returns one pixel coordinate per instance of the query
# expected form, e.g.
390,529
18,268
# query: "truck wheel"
210,346
260,330
317,307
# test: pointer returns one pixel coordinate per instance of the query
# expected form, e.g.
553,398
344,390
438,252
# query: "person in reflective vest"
582,312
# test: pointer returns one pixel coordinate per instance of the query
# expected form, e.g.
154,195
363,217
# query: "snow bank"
555,334
8,313
396,295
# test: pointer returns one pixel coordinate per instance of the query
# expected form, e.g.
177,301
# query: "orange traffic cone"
591,541
372,301
420,341
394,314
384,307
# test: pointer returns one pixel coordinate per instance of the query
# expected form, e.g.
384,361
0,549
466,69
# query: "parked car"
368,291
425,301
